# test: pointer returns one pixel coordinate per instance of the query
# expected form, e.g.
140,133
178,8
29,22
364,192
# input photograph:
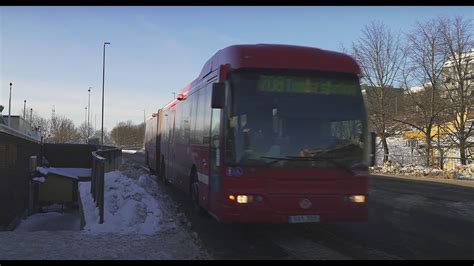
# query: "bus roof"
279,56
275,56
170,104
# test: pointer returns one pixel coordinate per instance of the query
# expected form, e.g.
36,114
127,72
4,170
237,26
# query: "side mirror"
218,95
373,137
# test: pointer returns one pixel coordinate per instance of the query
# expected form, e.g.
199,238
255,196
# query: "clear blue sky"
54,54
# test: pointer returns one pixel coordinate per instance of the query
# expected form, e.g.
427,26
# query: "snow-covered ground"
141,222
399,152
53,220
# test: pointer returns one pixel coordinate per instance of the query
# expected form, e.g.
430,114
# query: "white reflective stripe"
203,178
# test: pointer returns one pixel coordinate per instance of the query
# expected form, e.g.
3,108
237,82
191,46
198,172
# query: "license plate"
303,219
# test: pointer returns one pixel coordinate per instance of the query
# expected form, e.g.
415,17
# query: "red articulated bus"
268,134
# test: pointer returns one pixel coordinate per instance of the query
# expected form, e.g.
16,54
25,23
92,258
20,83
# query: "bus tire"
194,191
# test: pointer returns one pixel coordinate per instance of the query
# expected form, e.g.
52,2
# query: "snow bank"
128,207
405,160
461,171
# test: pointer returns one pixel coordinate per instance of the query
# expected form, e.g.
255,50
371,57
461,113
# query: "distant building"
19,124
1,116
450,75
393,95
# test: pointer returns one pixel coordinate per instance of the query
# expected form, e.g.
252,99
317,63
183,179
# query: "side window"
200,116
194,118
179,124
207,114
186,126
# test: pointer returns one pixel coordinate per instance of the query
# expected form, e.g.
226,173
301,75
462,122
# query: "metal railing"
103,161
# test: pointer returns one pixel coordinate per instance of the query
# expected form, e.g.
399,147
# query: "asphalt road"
408,219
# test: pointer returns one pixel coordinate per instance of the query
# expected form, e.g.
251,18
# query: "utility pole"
85,122
31,116
24,110
85,116
10,105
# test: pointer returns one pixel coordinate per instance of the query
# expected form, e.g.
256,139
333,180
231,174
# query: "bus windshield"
294,119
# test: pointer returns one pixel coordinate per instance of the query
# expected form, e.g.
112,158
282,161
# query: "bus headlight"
244,198
357,198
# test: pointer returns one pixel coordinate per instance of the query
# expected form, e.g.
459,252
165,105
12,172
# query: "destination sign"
289,84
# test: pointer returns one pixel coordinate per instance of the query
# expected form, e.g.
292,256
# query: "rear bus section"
152,142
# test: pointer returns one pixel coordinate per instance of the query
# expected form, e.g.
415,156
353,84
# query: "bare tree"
63,130
126,133
85,132
424,107
379,54
37,122
457,41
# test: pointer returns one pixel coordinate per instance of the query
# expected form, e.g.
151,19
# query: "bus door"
214,159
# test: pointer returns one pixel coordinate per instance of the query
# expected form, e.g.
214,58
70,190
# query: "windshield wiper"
320,158
277,159
340,148
309,159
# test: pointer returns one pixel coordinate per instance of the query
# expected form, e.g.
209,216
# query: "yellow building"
441,131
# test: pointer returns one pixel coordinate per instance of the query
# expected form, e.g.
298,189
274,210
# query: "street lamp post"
103,80
10,105
24,110
85,123
89,111
31,116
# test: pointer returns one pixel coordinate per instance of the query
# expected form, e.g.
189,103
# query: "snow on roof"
42,170
73,173
40,179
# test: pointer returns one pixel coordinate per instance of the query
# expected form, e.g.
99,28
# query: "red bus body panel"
282,190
